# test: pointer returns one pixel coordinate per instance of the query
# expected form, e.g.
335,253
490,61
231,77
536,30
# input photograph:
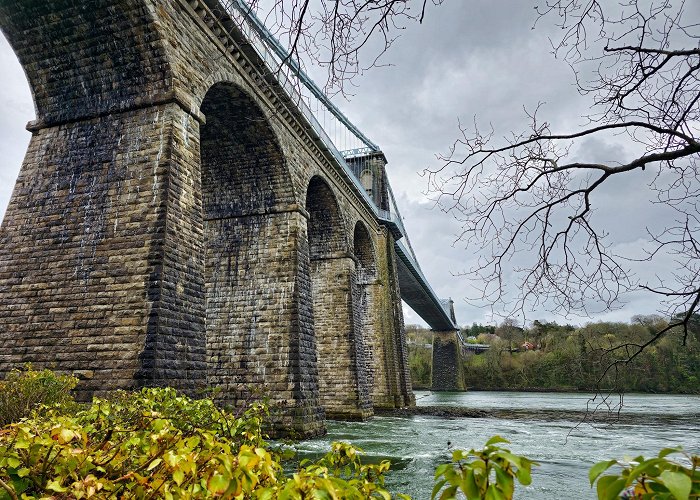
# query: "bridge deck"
418,294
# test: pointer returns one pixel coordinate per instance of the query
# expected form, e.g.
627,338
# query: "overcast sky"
477,58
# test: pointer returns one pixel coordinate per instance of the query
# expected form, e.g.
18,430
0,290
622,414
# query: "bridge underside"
416,292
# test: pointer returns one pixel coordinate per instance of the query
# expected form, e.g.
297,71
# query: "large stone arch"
83,59
341,359
257,334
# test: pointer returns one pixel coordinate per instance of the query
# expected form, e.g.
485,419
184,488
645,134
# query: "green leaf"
178,477
609,487
54,485
449,493
155,463
505,482
440,470
510,457
438,486
643,468
668,451
469,486
23,472
598,469
266,494
677,483
524,476
384,494
217,484
496,439
493,493
20,485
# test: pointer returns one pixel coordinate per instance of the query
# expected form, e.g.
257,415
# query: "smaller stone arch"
367,307
364,251
325,229
342,372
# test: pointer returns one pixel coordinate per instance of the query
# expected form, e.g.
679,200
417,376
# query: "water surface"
564,447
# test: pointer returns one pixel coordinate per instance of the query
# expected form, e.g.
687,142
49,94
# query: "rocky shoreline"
582,416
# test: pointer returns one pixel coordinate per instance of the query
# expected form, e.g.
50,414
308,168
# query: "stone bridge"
177,221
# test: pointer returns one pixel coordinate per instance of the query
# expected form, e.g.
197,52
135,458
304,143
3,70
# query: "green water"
563,446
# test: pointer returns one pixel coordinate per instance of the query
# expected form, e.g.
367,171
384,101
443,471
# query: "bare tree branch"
527,203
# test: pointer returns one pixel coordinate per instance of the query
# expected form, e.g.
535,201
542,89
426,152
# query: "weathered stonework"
448,365
170,224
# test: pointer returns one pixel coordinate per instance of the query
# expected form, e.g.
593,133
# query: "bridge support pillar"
391,382
343,388
448,363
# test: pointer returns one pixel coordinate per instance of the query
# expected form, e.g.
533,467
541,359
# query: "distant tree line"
549,356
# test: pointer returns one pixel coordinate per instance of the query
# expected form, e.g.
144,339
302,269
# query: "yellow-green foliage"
340,474
159,444
653,478
24,391
491,474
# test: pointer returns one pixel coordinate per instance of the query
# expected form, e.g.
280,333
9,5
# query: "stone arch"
365,298
251,263
87,58
244,171
326,227
343,387
364,294
363,249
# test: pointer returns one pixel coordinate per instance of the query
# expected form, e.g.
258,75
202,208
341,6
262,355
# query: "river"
543,426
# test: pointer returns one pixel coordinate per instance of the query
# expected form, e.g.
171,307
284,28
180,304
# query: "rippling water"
416,445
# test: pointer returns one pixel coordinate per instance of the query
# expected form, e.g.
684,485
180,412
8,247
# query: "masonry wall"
81,248
447,374
342,383
341,363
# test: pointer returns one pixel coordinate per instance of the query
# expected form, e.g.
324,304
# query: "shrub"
490,475
642,478
159,444
24,391
340,474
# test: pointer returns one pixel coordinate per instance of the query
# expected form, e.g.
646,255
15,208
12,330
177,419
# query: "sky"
480,60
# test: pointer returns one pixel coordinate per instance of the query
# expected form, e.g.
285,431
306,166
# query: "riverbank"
561,389
597,416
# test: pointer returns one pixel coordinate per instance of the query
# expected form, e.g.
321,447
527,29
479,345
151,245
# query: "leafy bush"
24,391
338,475
159,444
652,478
490,475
